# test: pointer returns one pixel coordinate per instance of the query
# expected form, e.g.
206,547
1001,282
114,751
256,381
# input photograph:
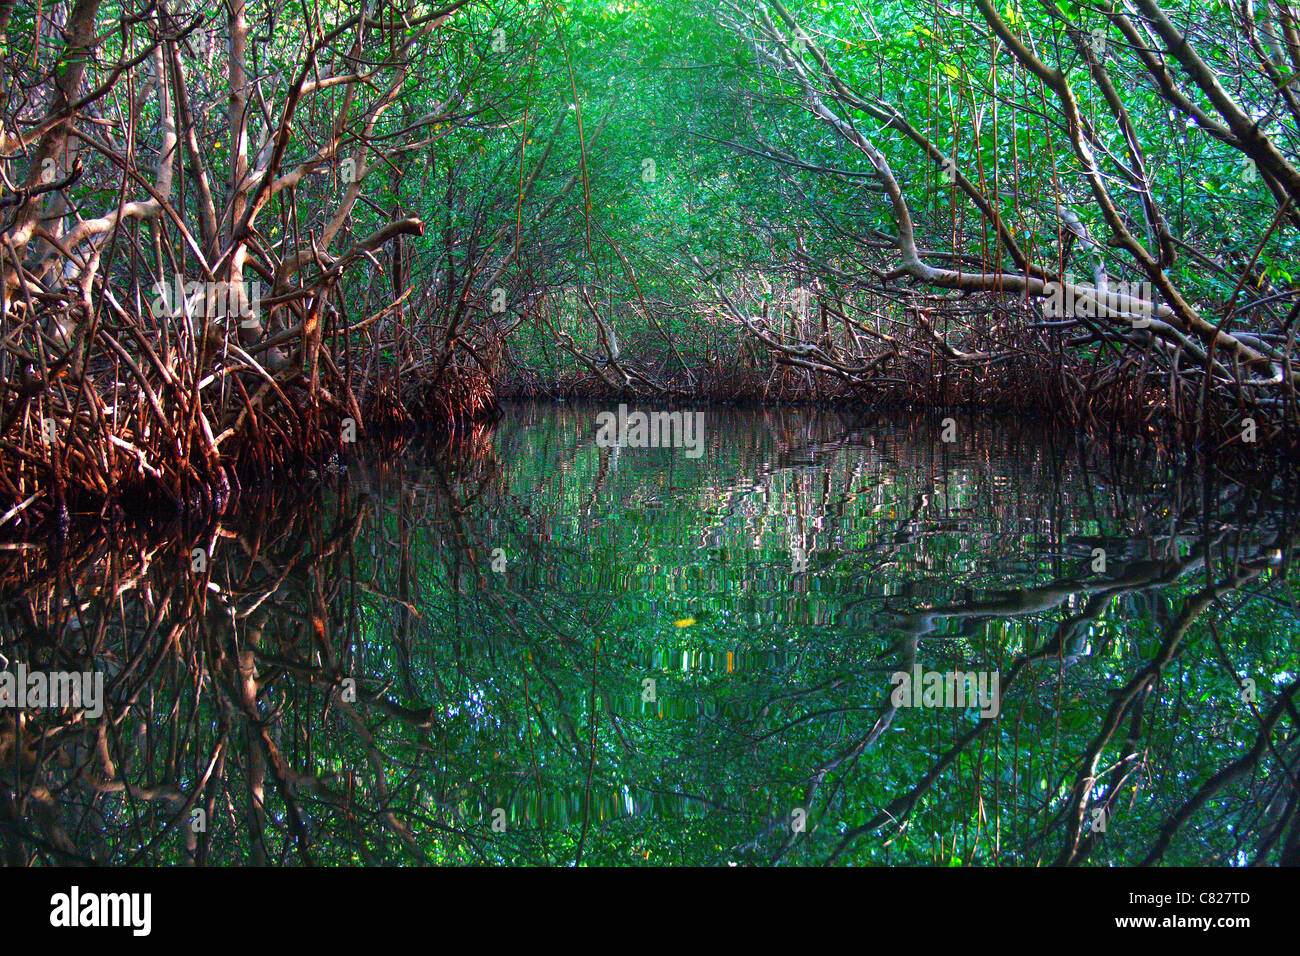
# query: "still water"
817,638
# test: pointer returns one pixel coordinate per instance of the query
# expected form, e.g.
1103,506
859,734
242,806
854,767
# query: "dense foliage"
667,199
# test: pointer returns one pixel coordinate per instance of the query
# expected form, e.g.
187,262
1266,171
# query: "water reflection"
528,648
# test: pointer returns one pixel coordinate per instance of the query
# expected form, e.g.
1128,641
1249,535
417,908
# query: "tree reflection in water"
681,662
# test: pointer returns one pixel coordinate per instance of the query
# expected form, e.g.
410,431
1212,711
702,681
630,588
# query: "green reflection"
680,661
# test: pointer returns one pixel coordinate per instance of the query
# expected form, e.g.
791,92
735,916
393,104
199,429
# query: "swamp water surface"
527,648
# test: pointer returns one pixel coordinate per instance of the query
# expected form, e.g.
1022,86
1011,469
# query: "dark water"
531,649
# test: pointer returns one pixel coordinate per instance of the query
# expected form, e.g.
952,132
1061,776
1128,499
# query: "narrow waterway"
795,637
